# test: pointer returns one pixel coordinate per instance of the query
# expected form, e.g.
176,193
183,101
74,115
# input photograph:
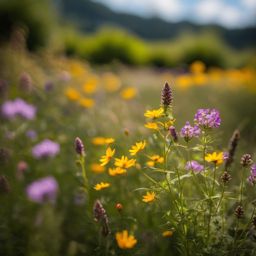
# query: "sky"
228,13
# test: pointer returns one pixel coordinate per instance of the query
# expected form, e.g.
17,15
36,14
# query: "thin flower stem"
241,186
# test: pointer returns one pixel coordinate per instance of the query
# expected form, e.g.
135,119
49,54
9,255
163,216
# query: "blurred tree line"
77,28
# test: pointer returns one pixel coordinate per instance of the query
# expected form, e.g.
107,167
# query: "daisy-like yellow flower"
137,147
86,102
111,82
149,197
153,126
97,168
116,171
98,141
155,159
167,233
101,186
124,162
216,158
128,93
155,113
124,240
90,86
72,94
107,157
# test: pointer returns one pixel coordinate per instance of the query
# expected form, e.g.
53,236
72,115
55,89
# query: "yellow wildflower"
128,93
111,82
155,113
101,185
137,147
215,157
167,233
124,240
184,81
86,102
90,86
116,171
97,168
149,197
107,157
197,67
109,140
72,94
124,162
155,159
102,141
153,126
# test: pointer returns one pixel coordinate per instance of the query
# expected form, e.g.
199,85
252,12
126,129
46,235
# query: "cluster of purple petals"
207,118
18,107
46,148
43,190
188,131
252,178
194,166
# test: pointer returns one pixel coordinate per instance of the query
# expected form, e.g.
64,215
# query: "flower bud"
173,133
79,146
166,99
239,212
246,160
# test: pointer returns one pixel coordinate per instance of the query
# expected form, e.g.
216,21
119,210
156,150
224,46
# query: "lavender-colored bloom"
225,155
32,134
18,107
253,170
188,131
194,166
46,148
43,190
207,118
252,178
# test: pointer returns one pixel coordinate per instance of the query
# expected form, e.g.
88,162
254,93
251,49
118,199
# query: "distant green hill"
89,16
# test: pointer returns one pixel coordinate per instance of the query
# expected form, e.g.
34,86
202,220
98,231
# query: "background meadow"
88,78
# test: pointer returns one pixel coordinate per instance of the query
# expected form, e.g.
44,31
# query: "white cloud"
250,4
219,12
236,13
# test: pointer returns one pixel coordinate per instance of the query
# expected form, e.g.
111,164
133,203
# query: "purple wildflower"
32,134
188,131
194,166
18,107
42,190
173,133
207,118
46,148
252,178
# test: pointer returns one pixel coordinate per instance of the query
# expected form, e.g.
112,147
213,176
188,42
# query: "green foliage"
34,18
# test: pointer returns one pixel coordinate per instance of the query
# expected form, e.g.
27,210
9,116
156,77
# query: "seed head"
79,146
232,148
239,212
225,177
100,216
173,133
167,98
246,160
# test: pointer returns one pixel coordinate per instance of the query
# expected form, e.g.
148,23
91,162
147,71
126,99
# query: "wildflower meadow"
103,158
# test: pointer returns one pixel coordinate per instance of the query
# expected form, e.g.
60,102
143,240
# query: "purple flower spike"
43,190
194,166
252,178
46,148
18,107
207,118
188,131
